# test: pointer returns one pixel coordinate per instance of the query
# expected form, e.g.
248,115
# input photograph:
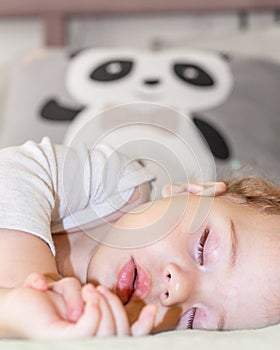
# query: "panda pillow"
142,104
232,102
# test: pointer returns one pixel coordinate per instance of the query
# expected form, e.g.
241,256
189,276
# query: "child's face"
232,282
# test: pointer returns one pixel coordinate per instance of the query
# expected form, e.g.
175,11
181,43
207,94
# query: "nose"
177,286
151,82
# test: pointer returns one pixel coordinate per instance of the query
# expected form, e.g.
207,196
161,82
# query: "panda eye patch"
193,74
111,70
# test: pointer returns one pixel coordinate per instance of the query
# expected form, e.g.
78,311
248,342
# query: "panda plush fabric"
188,81
233,103
142,104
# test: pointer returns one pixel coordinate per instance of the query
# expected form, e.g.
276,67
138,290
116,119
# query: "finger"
70,289
106,325
89,321
213,189
146,321
172,189
202,188
36,281
118,311
87,325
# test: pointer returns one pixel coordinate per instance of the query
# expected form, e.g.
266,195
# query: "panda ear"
226,56
216,141
75,53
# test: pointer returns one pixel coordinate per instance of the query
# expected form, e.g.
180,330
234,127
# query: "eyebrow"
234,245
233,257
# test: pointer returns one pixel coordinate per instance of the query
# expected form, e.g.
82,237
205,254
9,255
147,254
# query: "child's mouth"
133,281
127,281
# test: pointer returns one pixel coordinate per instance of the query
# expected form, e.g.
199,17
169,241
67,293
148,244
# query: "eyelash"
200,258
201,244
191,319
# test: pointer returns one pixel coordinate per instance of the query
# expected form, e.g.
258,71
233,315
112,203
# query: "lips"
132,281
126,279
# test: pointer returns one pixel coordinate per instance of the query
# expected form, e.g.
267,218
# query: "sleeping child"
85,252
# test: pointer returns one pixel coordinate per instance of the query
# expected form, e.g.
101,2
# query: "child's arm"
29,310
36,188
46,188
26,312
43,187
23,254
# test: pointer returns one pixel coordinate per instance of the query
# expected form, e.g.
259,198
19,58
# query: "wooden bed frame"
55,13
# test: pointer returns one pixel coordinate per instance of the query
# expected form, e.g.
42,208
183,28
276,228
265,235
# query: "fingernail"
175,189
193,188
75,313
102,289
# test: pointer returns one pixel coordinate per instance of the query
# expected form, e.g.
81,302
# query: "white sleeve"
103,181
28,184
46,188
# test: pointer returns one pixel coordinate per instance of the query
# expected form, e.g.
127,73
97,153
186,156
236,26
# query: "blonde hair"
255,191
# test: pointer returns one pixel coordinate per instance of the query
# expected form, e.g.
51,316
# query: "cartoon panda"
131,95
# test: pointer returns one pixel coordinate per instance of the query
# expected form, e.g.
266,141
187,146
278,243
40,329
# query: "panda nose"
151,82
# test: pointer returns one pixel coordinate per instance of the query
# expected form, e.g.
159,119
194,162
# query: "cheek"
104,266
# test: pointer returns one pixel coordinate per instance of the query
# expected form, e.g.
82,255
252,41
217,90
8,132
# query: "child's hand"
113,316
112,319
33,314
69,288
203,189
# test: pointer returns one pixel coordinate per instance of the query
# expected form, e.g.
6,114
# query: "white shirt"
46,188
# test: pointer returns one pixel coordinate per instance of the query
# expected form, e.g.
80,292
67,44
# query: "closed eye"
187,319
201,244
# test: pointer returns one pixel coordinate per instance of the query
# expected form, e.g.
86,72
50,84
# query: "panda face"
186,80
118,69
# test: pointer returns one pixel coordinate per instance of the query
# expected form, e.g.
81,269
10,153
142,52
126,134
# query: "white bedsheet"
266,338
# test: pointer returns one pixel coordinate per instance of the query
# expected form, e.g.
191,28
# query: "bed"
54,58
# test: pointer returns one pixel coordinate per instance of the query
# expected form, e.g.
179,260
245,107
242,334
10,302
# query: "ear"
75,53
210,189
225,56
